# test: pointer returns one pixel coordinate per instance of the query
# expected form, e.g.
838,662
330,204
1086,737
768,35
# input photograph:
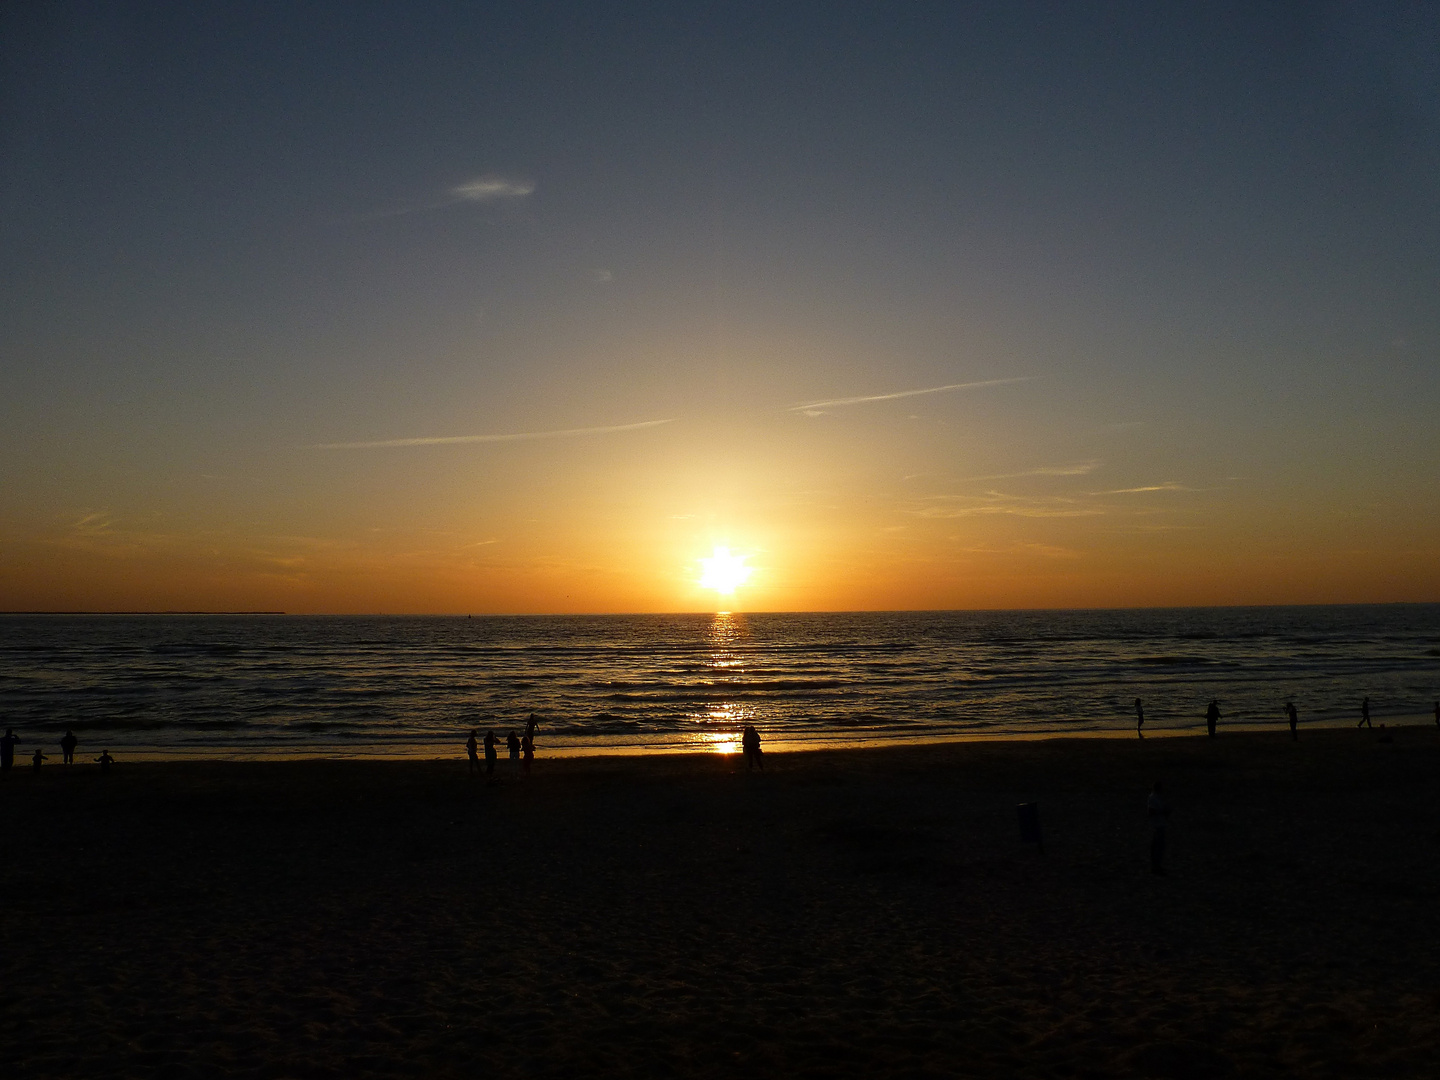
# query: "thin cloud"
93,521
810,408
1050,551
1168,485
1080,468
522,436
488,188
1012,510
997,503
483,189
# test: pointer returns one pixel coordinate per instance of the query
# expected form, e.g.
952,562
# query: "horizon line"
731,611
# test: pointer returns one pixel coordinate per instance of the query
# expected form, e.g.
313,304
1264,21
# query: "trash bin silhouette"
1029,814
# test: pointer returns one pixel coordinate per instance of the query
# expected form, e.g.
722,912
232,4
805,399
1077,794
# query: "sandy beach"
848,913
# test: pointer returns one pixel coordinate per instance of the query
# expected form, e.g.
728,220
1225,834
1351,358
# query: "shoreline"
453,748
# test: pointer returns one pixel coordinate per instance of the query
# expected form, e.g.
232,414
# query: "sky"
501,308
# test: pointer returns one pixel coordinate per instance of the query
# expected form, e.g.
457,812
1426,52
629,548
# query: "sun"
724,572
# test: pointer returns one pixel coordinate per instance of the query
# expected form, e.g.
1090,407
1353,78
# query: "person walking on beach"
489,755
37,757
1365,715
1158,811
1139,718
1294,719
7,749
472,751
67,747
512,743
1212,716
527,747
105,761
750,746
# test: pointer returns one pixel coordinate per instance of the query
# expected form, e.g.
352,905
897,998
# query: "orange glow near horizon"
846,515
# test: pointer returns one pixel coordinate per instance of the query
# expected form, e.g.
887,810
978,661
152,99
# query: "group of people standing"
1213,716
68,743
521,748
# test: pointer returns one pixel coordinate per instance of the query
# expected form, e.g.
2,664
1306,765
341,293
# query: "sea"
247,686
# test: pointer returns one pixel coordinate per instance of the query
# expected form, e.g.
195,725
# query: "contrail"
522,436
906,393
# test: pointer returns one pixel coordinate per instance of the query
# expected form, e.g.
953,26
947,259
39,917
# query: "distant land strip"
142,613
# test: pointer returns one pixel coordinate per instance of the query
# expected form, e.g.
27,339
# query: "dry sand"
857,913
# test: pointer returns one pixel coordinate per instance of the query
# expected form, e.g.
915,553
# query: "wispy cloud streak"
995,502
1168,485
483,189
1080,468
866,399
489,188
521,436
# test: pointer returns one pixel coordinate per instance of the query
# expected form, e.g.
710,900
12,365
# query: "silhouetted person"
1365,714
527,746
67,747
1212,717
36,759
1437,714
7,749
1294,720
105,761
1139,718
489,754
472,751
530,729
1158,811
750,745
512,742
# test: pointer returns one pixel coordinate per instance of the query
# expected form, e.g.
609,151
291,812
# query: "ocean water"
244,685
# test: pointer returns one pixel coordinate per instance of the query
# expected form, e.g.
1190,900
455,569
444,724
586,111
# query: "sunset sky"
526,308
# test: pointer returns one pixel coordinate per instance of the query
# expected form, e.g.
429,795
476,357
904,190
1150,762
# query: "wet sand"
849,913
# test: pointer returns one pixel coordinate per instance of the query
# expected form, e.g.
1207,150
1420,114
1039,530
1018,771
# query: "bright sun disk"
723,571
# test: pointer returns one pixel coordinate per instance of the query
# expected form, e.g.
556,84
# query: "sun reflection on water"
721,721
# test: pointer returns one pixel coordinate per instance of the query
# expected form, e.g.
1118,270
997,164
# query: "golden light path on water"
722,721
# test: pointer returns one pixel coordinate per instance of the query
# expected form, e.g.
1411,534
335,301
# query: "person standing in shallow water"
472,751
1212,716
1365,714
750,745
1139,718
67,747
530,729
1158,811
1294,720
7,749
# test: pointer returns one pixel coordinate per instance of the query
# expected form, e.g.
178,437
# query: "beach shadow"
875,849
1179,1060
